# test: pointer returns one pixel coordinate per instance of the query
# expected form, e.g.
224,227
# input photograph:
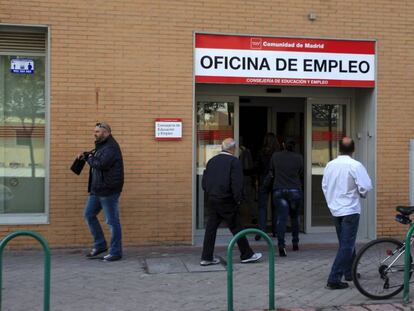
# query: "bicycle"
378,268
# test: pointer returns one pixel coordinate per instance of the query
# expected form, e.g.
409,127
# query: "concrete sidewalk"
170,279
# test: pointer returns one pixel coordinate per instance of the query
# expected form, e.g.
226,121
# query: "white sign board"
22,65
284,61
168,129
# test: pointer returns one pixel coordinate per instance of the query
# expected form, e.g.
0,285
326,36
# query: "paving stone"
353,308
296,309
165,265
80,284
403,307
382,307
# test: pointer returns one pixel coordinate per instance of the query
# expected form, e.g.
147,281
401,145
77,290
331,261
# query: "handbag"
79,163
77,166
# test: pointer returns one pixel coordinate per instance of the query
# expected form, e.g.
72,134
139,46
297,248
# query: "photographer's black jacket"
223,179
106,174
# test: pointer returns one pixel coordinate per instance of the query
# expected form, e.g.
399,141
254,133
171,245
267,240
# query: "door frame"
218,98
308,155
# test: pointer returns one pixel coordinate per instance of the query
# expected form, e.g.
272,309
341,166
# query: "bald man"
223,185
344,182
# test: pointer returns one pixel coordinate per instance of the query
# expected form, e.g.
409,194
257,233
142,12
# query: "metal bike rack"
230,267
43,242
407,264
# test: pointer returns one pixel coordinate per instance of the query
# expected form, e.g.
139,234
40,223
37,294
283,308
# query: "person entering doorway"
287,169
269,147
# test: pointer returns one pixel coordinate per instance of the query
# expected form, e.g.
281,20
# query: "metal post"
43,242
407,264
271,267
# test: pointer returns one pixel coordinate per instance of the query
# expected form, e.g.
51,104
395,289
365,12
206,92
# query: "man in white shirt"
344,182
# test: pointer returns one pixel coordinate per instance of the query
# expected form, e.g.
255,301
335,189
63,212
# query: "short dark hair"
346,148
290,145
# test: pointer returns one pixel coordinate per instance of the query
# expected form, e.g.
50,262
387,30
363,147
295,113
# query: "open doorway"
257,116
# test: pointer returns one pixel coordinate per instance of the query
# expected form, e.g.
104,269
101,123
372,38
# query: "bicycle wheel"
378,269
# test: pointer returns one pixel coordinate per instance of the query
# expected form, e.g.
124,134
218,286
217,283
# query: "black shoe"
110,257
257,237
350,279
282,252
340,285
95,252
295,247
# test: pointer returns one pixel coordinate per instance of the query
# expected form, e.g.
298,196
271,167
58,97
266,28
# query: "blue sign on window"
22,65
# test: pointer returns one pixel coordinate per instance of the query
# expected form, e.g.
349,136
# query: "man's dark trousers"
219,211
346,230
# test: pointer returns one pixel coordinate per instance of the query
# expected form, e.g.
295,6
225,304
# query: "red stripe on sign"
285,81
284,44
327,136
168,120
214,135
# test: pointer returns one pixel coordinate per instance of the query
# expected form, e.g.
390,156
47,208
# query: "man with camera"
106,179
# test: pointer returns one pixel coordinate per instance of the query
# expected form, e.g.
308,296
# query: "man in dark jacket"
106,178
223,185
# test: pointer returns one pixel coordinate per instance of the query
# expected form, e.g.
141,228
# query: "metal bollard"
271,267
43,242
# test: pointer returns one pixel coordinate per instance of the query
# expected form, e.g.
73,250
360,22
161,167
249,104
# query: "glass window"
22,135
328,127
215,122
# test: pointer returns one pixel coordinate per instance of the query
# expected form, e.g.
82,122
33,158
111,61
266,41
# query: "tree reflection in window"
328,117
206,112
24,103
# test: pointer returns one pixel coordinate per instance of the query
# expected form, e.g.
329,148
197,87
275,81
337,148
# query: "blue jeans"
346,230
109,204
287,202
262,200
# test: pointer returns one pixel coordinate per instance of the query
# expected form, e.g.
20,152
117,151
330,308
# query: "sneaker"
95,252
340,285
110,257
215,261
295,247
255,257
282,252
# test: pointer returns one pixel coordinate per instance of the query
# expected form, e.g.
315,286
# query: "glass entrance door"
328,121
216,119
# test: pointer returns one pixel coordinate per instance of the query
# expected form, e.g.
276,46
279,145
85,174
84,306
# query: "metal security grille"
17,41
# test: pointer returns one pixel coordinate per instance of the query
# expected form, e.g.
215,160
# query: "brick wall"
137,55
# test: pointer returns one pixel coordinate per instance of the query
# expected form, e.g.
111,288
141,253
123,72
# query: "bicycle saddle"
405,210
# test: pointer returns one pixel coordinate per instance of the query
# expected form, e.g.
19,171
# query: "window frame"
35,218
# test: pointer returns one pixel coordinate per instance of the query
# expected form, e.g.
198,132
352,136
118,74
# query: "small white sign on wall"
168,129
22,65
